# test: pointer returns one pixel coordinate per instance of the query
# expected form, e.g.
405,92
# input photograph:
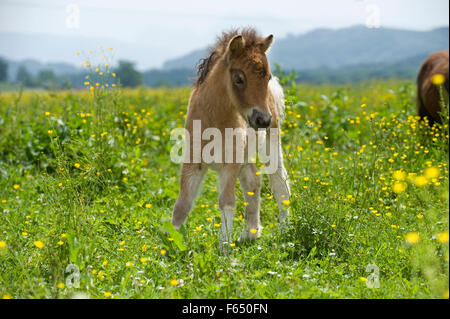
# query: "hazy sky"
169,28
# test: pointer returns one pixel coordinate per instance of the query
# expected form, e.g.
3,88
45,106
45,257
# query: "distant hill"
327,48
188,61
403,69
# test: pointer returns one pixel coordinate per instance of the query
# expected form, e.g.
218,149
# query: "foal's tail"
278,94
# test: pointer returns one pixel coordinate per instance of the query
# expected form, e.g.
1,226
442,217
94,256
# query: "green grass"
102,201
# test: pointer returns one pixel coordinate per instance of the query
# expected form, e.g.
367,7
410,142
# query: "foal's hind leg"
251,186
190,181
279,179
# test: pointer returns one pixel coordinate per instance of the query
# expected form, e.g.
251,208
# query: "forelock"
257,63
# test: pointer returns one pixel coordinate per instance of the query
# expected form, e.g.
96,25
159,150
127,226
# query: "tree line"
129,76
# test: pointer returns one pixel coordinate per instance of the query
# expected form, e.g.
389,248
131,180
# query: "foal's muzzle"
259,119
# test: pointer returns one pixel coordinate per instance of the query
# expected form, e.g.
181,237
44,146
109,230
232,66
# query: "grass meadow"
87,189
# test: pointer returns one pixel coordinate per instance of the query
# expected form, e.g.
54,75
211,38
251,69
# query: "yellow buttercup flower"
399,175
39,244
438,79
2,244
174,282
443,237
412,238
420,181
432,172
399,187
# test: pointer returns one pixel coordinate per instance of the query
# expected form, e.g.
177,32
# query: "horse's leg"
251,186
227,181
279,179
190,181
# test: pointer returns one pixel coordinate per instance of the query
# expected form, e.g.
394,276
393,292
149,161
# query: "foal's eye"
238,80
238,77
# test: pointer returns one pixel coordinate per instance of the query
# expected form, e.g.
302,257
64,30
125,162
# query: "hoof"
248,234
224,247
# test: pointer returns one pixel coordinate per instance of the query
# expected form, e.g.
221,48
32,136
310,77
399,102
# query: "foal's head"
247,77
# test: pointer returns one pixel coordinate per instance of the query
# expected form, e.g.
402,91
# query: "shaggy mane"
205,65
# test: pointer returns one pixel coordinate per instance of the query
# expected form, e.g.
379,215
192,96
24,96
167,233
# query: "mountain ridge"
336,48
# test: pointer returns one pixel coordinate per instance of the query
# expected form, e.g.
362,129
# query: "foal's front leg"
227,203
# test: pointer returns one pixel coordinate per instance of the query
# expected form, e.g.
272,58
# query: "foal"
235,89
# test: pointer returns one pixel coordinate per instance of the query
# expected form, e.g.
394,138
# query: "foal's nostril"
260,121
263,120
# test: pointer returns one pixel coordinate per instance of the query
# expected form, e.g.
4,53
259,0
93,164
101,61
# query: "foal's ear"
236,45
267,43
